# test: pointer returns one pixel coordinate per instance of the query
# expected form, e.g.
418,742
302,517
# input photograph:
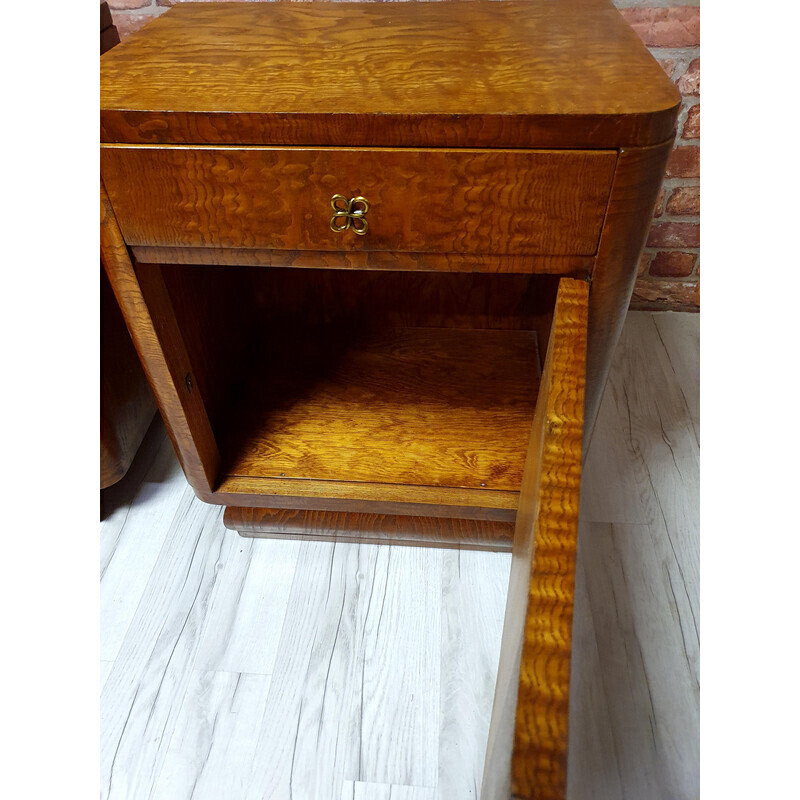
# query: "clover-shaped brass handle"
349,214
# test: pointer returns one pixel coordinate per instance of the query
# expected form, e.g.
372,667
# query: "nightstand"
375,259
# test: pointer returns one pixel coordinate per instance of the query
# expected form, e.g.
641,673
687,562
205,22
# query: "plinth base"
343,526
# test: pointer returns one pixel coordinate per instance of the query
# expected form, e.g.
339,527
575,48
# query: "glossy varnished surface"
538,73
428,407
636,183
147,309
531,708
367,260
451,201
126,402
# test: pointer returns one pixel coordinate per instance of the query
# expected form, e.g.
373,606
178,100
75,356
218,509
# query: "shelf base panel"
345,526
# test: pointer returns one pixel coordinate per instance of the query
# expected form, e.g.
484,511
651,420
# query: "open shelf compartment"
419,406
386,387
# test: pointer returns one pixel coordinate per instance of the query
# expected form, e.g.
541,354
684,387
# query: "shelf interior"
319,380
410,405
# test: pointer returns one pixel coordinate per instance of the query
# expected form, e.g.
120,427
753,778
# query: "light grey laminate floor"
235,669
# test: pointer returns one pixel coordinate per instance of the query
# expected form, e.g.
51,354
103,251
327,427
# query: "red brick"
689,82
672,264
659,209
674,234
644,263
684,200
117,4
691,128
684,162
175,2
665,294
665,27
128,23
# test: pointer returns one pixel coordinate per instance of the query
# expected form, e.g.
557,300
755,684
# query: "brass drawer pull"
349,214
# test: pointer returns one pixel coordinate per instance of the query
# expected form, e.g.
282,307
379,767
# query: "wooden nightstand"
371,255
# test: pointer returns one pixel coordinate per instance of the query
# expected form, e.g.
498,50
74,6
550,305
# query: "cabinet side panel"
163,357
633,196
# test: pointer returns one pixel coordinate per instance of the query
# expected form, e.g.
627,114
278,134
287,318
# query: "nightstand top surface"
534,73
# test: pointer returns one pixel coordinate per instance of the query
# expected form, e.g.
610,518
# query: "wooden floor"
235,668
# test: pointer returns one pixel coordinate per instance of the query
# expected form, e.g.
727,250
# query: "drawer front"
523,202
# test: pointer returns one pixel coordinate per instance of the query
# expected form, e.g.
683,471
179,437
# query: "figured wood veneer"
126,402
633,197
430,407
160,346
527,749
449,201
512,74
369,260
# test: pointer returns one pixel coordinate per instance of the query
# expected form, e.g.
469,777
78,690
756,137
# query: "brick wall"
669,272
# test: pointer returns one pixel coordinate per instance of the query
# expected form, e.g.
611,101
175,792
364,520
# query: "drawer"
523,202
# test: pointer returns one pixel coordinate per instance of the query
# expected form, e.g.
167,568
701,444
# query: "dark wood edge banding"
368,498
370,528
121,126
574,266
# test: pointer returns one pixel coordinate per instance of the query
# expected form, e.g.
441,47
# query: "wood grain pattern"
367,498
358,666
126,402
526,753
360,790
680,341
460,201
218,318
212,749
574,266
417,406
269,523
132,537
249,605
474,587
512,74
137,715
396,299
161,351
630,209
634,708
